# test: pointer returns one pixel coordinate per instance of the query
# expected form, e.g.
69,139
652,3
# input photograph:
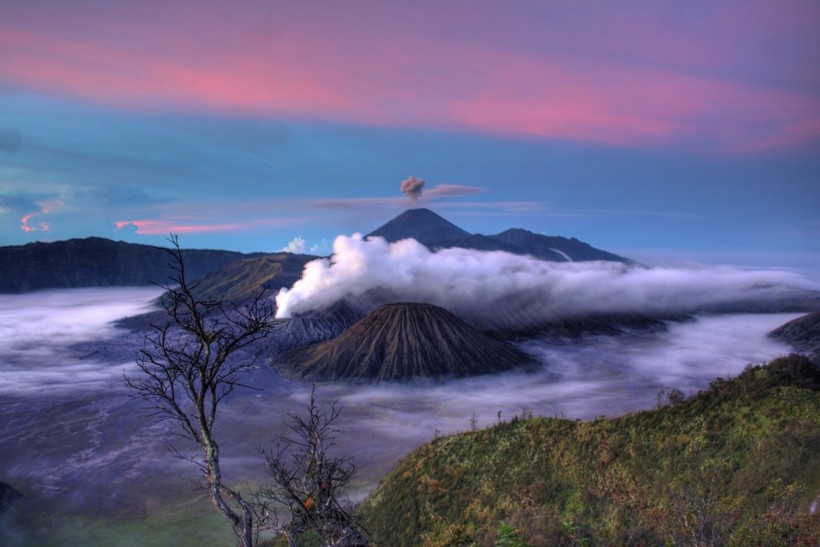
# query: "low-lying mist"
36,330
498,289
75,442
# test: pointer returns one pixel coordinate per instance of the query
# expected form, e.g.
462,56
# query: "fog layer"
38,328
76,444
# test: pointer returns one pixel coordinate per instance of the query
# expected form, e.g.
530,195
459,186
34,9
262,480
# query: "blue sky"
664,133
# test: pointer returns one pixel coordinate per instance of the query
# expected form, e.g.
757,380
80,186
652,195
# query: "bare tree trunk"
189,365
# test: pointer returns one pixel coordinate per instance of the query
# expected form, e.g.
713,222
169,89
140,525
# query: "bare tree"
190,364
310,481
698,514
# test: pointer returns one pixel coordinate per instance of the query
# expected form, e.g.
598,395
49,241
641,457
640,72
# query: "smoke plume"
412,186
498,289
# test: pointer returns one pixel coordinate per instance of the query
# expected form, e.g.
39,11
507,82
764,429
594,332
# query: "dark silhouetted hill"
803,334
96,262
100,262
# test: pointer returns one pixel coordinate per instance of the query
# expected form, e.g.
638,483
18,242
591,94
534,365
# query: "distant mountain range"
435,232
99,262
96,262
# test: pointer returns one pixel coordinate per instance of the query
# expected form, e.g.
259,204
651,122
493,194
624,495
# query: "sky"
668,132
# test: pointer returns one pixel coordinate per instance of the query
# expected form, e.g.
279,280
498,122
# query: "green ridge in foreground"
738,464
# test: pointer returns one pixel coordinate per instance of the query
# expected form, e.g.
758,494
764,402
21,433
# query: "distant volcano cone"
423,225
403,341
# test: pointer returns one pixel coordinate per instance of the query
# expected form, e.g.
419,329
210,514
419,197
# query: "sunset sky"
663,131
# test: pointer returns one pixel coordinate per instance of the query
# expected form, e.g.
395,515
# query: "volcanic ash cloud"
413,187
486,287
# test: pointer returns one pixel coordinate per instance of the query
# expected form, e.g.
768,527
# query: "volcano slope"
403,341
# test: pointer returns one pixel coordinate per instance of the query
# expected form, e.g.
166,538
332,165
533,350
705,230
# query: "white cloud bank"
493,287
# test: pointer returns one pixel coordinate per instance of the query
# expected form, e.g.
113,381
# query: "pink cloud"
46,207
165,227
28,228
177,218
610,75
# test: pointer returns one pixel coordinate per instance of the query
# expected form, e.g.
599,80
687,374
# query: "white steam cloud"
413,187
497,288
297,245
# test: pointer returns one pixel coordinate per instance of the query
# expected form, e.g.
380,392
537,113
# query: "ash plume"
412,186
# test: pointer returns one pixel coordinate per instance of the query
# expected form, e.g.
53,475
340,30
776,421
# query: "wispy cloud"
356,203
207,218
450,191
37,221
28,226
435,194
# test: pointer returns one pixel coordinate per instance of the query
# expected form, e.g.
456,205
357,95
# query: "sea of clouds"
71,433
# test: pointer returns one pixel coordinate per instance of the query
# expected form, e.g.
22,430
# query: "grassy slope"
746,451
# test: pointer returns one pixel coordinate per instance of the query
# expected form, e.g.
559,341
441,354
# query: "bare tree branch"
190,364
310,481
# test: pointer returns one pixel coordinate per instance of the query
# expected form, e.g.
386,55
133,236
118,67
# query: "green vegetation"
183,524
736,463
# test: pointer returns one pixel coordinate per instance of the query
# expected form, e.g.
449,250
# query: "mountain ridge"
436,232
97,262
101,262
